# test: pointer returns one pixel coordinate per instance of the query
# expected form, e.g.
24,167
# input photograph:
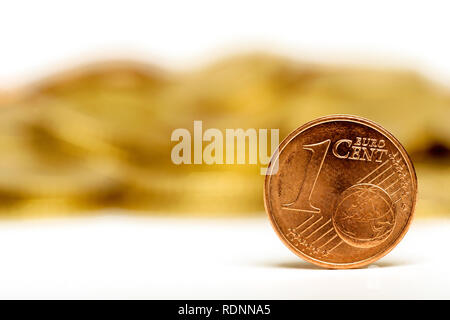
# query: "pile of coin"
99,136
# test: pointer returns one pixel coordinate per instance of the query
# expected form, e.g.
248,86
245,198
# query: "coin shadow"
390,263
385,263
295,265
292,265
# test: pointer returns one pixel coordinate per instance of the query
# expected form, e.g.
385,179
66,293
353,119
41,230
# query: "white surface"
50,34
131,257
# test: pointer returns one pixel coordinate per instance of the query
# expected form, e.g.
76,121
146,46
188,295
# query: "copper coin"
340,192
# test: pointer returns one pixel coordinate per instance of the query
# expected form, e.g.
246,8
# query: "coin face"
340,192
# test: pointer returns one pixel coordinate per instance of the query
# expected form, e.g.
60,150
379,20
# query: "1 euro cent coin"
340,191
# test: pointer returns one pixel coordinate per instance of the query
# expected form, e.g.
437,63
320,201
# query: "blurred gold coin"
99,135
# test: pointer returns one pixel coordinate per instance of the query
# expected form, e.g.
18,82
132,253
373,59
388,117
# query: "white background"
38,36
118,257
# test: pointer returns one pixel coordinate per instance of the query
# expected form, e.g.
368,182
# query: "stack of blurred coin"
99,136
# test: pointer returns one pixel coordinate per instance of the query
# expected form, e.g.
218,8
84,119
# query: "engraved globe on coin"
364,216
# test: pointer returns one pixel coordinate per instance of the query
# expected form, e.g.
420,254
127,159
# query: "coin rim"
331,118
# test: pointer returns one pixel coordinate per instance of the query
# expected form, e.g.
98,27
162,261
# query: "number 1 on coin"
303,200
